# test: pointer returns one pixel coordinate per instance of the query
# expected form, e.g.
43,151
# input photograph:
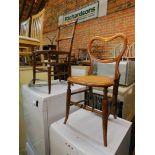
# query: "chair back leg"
114,98
105,115
68,97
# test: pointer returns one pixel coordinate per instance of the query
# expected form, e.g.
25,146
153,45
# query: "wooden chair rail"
99,112
68,23
64,38
25,53
50,52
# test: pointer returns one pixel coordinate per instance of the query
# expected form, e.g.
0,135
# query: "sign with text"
83,14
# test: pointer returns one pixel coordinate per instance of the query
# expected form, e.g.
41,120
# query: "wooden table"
28,42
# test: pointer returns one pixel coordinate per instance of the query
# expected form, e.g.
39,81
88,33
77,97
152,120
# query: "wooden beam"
30,9
41,3
21,9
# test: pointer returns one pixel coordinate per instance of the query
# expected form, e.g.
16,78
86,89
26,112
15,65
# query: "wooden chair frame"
57,52
71,80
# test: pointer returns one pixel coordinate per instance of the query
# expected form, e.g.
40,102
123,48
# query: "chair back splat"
37,26
24,53
100,50
25,28
106,55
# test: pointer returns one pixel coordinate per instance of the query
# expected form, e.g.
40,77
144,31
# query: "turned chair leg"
105,115
68,97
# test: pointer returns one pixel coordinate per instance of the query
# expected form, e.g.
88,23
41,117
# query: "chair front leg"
105,115
68,97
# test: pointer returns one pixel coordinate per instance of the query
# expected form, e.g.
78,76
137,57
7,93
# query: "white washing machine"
41,109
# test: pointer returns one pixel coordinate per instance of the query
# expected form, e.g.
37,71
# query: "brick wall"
120,18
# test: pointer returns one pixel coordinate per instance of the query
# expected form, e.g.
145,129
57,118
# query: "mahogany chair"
104,82
58,62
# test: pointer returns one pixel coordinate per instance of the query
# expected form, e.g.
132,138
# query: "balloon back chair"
104,82
59,58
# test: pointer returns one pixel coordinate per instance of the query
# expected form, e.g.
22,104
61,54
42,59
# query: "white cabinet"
82,135
41,109
126,68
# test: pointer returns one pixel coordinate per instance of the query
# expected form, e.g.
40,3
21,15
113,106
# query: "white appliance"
41,109
126,68
82,135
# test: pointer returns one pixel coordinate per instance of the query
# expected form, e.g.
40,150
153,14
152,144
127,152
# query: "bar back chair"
58,62
104,82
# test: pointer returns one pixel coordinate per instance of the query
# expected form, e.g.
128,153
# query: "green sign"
83,14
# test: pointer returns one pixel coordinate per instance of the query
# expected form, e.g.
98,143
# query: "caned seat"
99,55
91,80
